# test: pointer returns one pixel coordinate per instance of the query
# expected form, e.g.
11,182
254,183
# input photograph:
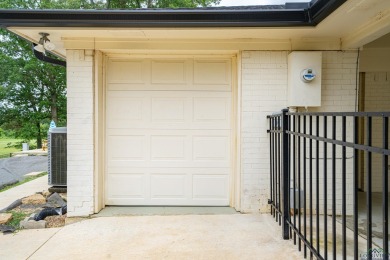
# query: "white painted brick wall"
264,91
377,98
338,95
338,81
80,133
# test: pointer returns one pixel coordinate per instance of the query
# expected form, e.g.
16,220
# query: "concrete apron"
234,236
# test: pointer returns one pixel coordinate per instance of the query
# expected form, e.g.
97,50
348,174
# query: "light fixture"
44,43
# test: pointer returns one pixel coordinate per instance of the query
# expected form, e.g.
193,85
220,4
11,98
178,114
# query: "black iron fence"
325,170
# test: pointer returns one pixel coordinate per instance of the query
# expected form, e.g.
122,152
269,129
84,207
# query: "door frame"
100,63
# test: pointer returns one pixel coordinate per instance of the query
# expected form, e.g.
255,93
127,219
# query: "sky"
256,2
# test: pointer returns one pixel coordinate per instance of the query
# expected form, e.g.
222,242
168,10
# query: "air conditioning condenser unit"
57,156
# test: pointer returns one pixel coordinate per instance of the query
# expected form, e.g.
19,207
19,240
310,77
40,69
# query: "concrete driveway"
236,236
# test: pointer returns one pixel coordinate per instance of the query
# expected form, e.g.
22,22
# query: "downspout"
44,58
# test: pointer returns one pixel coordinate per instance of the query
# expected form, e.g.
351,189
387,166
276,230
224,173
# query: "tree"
52,4
31,92
105,4
125,4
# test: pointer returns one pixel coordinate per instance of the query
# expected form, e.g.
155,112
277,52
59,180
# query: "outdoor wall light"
44,43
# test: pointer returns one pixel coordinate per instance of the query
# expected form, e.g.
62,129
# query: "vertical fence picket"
299,182
385,189
304,186
334,237
344,187
285,174
325,190
317,185
369,186
355,187
271,163
311,183
293,160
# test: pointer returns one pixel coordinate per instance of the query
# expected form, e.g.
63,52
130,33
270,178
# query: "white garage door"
168,131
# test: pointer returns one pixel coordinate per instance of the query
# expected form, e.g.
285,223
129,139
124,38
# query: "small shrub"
16,218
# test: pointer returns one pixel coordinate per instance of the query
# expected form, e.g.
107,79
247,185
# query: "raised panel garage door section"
168,131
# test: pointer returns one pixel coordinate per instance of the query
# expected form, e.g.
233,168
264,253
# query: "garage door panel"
129,147
125,108
212,72
154,164
212,109
130,72
211,148
168,109
169,163
168,132
160,110
168,170
167,186
210,186
169,72
167,148
135,187
171,202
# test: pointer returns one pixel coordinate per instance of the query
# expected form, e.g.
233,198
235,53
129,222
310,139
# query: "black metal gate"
321,164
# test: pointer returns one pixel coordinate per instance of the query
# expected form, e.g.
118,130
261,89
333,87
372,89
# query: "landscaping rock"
64,196
13,205
5,217
27,223
29,208
6,229
46,193
34,199
55,221
32,216
55,201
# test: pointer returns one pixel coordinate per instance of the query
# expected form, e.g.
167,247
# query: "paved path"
233,236
24,243
24,190
14,169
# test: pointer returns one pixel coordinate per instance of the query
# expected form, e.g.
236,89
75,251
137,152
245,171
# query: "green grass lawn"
4,151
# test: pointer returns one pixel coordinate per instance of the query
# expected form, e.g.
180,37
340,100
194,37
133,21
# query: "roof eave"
154,19
321,9
172,18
